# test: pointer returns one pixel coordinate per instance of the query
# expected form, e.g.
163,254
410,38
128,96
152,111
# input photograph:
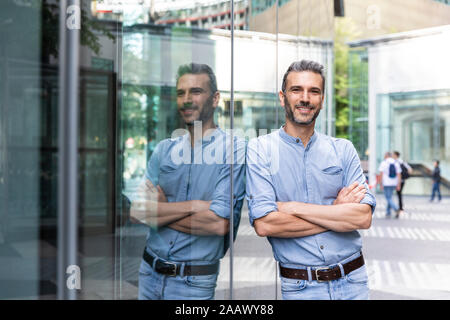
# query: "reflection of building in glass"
204,14
402,91
149,77
372,18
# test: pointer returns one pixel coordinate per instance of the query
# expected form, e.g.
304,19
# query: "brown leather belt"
323,274
174,269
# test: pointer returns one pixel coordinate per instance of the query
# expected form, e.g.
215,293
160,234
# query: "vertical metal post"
276,67
276,111
68,145
232,151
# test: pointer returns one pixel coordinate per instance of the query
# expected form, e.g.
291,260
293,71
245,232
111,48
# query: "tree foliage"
345,30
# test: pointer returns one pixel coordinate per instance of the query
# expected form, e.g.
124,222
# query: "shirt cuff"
372,204
256,212
219,209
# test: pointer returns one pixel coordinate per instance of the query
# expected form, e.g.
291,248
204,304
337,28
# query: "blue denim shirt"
280,168
199,173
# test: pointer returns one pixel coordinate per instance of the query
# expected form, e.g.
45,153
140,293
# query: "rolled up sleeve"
260,189
220,204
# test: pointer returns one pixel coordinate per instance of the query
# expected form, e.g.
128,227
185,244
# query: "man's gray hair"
198,68
305,65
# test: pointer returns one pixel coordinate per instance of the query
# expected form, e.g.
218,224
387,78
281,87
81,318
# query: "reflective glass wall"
119,69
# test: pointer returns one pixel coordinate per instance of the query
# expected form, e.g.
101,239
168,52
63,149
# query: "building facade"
400,79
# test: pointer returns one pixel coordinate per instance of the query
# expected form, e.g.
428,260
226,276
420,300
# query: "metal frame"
68,150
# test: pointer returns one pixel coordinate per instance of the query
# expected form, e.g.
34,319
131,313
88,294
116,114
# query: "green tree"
345,30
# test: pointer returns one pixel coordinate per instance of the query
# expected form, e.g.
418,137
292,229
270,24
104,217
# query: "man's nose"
305,96
186,98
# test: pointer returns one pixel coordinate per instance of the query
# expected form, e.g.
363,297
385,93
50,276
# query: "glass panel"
280,32
418,131
174,171
21,133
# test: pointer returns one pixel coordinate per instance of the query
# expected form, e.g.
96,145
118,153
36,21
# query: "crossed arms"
193,216
297,219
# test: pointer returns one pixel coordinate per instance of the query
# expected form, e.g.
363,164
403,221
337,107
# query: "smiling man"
307,194
185,197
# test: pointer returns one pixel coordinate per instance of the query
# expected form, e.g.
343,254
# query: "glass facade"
417,124
102,156
119,67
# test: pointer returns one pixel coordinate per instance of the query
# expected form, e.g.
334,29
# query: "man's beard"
290,113
205,114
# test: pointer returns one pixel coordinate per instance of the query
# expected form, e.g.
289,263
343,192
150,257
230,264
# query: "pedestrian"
185,198
406,172
390,178
436,181
307,194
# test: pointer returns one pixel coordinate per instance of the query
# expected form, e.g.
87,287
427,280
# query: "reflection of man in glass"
186,197
311,205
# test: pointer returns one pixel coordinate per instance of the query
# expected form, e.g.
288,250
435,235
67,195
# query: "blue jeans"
388,191
437,190
156,286
353,286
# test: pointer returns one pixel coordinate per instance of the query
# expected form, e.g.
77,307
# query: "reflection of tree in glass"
345,31
14,29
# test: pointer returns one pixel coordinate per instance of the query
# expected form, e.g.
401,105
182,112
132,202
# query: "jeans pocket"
203,282
358,276
292,285
145,269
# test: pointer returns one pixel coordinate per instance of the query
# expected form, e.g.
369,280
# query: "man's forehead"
304,78
193,80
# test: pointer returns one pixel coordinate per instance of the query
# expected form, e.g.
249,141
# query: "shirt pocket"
332,178
169,177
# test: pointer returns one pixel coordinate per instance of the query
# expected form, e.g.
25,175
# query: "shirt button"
297,140
321,247
171,242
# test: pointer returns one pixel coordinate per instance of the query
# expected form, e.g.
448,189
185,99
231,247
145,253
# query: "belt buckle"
174,269
317,275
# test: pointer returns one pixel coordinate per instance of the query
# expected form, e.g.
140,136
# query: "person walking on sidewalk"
406,172
390,180
308,195
436,182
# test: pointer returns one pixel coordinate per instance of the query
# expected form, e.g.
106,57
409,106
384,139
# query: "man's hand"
354,193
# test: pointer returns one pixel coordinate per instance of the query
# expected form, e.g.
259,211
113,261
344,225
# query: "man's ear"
281,97
216,99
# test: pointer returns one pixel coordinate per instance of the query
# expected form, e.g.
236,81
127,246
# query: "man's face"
195,100
303,98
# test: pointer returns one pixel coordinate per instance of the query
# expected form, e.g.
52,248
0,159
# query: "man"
307,194
186,197
406,170
390,180
436,181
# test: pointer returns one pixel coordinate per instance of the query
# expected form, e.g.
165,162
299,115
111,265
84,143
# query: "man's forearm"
158,214
283,225
340,218
204,222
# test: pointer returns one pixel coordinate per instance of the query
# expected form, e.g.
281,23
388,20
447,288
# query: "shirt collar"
290,139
